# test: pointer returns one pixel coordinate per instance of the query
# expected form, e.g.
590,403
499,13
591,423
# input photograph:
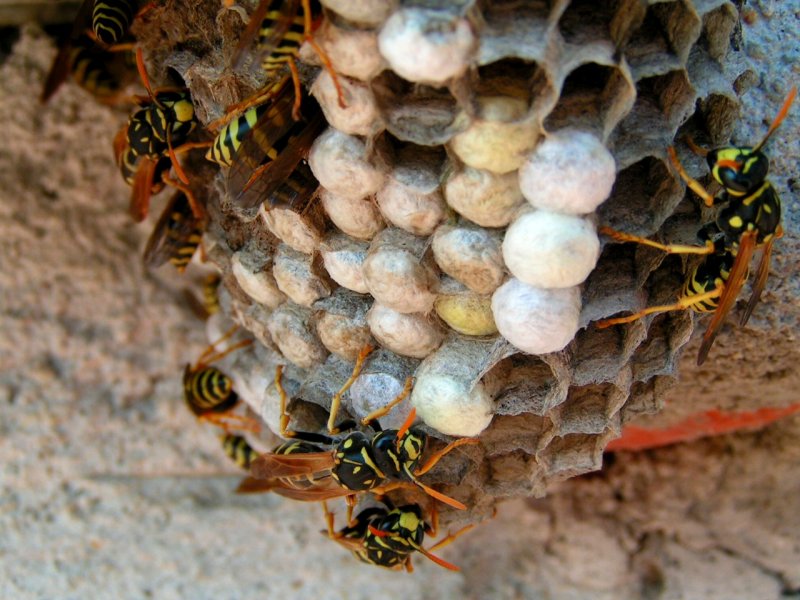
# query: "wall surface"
110,489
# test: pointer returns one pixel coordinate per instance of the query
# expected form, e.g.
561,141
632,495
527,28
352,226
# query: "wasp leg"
452,537
198,210
698,150
211,354
620,236
435,458
693,184
683,303
377,414
285,417
337,398
234,110
323,56
229,422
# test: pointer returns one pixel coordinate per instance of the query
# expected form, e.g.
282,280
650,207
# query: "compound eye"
732,179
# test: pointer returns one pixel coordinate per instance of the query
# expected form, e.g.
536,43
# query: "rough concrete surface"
110,489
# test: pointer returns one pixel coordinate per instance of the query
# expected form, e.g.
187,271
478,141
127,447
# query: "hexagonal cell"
628,18
416,113
662,42
324,381
667,333
527,432
720,114
587,21
518,78
663,103
598,357
644,195
588,409
593,97
530,385
515,473
647,397
718,25
612,286
514,29
572,455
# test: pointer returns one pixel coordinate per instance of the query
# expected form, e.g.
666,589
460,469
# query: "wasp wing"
273,176
733,286
259,144
176,225
59,71
273,466
760,281
281,14
142,188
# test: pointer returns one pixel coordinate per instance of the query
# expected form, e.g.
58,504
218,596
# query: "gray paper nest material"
637,75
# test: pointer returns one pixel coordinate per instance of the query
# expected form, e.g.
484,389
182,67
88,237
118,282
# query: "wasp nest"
455,228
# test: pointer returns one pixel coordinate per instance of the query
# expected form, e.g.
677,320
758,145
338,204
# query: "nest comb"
376,265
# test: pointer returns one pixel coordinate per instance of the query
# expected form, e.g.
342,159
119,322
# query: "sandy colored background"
110,489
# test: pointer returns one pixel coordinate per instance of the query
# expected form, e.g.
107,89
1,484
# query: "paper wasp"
97,70
751,220
147,147
209,392
264,147
176,236
281,27
93,52
388,536
356,462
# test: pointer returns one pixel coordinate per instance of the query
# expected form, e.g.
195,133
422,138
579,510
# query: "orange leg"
323,56
693,184
377,414
435,458
669,249
198,210
211,355
235,110
230,422
285,417
337,397
682,304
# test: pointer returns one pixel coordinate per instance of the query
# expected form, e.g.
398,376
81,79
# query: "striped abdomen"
210,298
239,451
289,44
709,274
230,138
208,390
185,245
301,447
111,19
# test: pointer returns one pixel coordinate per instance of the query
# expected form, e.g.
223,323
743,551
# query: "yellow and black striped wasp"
388,536
751,220
354,463
176,235
96,51
209,392
265,148
147,147
280,28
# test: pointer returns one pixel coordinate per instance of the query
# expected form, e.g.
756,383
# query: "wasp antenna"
779,118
